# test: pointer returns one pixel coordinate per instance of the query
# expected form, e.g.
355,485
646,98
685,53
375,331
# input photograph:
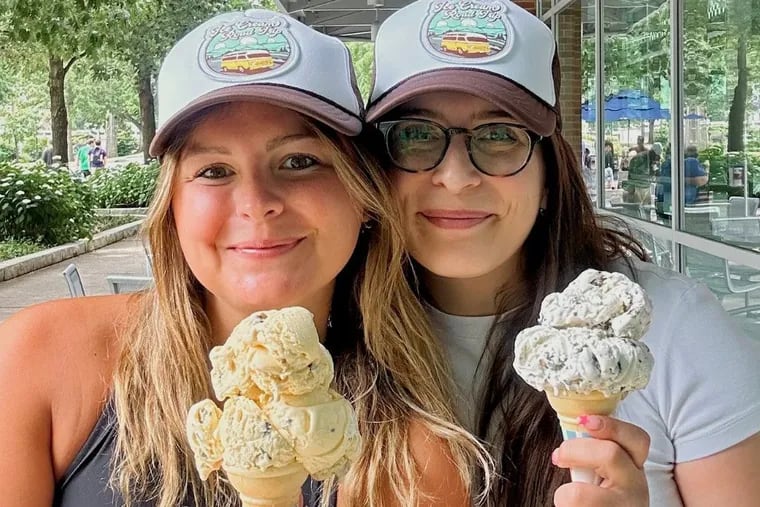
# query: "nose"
456,172
258,196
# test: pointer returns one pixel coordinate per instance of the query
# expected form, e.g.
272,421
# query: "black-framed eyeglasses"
496,149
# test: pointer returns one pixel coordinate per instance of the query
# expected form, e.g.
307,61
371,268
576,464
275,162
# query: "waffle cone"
279,487
570,405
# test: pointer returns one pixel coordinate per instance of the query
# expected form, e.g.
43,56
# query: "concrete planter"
28,263
121,211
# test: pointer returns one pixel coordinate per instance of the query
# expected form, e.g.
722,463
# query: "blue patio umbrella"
626,105
693,116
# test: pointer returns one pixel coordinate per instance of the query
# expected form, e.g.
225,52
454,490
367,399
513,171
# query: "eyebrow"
484,115
279,141
201,149
197,148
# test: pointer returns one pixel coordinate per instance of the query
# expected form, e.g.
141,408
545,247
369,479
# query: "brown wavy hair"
387,362
516,420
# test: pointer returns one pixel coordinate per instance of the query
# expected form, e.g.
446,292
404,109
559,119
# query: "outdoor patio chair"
699,220
725,278
121,284
73,280
736,206
744,229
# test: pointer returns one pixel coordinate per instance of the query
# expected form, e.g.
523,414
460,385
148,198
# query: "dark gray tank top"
85,483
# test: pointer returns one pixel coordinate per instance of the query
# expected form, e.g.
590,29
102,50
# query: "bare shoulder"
440,479
63,323
56,362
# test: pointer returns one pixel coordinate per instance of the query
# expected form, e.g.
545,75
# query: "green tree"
23,101
98,86
146,36
363,56
68,30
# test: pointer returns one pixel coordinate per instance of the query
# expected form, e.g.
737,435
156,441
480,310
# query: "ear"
545,198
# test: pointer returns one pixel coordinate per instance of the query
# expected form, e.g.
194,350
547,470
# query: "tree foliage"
721,56
362,54
23,102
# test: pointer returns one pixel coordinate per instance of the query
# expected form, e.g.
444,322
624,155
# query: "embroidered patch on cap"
474,30
246,47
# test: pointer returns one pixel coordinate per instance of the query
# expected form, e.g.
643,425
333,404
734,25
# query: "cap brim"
508,96
300,101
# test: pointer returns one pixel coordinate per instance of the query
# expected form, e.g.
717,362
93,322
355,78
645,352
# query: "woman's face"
461,223
262,218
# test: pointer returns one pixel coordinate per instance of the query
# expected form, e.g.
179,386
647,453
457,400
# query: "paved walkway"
125,257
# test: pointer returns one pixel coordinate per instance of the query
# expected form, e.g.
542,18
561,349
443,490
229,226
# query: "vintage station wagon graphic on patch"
471,29
246,46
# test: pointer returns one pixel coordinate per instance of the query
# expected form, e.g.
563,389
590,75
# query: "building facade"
662,99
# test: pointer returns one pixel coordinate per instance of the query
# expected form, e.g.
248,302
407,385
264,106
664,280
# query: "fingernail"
555,456
590,422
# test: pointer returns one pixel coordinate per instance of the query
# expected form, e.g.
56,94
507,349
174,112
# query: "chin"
456,268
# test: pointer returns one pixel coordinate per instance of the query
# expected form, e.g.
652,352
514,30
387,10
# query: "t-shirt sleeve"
709,377
693,169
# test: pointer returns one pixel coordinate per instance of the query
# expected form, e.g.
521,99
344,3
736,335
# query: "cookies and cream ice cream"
280,421
588,338
585,352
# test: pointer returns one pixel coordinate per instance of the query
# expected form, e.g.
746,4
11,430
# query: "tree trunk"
58,114
147,110
739,102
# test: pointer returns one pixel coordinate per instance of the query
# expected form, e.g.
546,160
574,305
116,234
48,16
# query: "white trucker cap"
493,49
257,55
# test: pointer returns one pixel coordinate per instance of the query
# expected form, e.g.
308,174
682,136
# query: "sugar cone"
568,407
278,487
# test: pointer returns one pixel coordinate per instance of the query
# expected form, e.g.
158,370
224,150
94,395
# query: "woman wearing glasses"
497,216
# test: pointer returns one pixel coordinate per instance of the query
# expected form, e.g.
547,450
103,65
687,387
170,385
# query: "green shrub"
43,206
126,142
12,249
6,153
129,187
720,167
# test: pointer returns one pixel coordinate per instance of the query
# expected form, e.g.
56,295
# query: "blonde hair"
387,362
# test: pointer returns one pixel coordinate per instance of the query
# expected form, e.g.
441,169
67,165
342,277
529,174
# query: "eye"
213,172
299,162
499,133
418,132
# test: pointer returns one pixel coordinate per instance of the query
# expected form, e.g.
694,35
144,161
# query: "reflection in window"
588,90
721,160
636,105
736,286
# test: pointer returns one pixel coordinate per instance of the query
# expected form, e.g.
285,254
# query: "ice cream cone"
568,407
278,487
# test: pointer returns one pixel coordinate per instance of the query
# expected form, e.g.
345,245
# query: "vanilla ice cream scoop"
588,338
280,419
203,434
324,433
271,353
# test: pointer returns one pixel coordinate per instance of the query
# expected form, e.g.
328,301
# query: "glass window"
637,104
735,285
721,159
588,91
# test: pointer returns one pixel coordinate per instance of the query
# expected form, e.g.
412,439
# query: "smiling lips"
266,248
455,219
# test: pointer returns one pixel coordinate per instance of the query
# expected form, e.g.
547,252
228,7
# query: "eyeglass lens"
498,149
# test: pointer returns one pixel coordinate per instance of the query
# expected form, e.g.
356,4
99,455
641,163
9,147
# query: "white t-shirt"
704,393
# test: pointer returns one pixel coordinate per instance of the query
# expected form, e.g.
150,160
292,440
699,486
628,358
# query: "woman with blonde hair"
267,198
